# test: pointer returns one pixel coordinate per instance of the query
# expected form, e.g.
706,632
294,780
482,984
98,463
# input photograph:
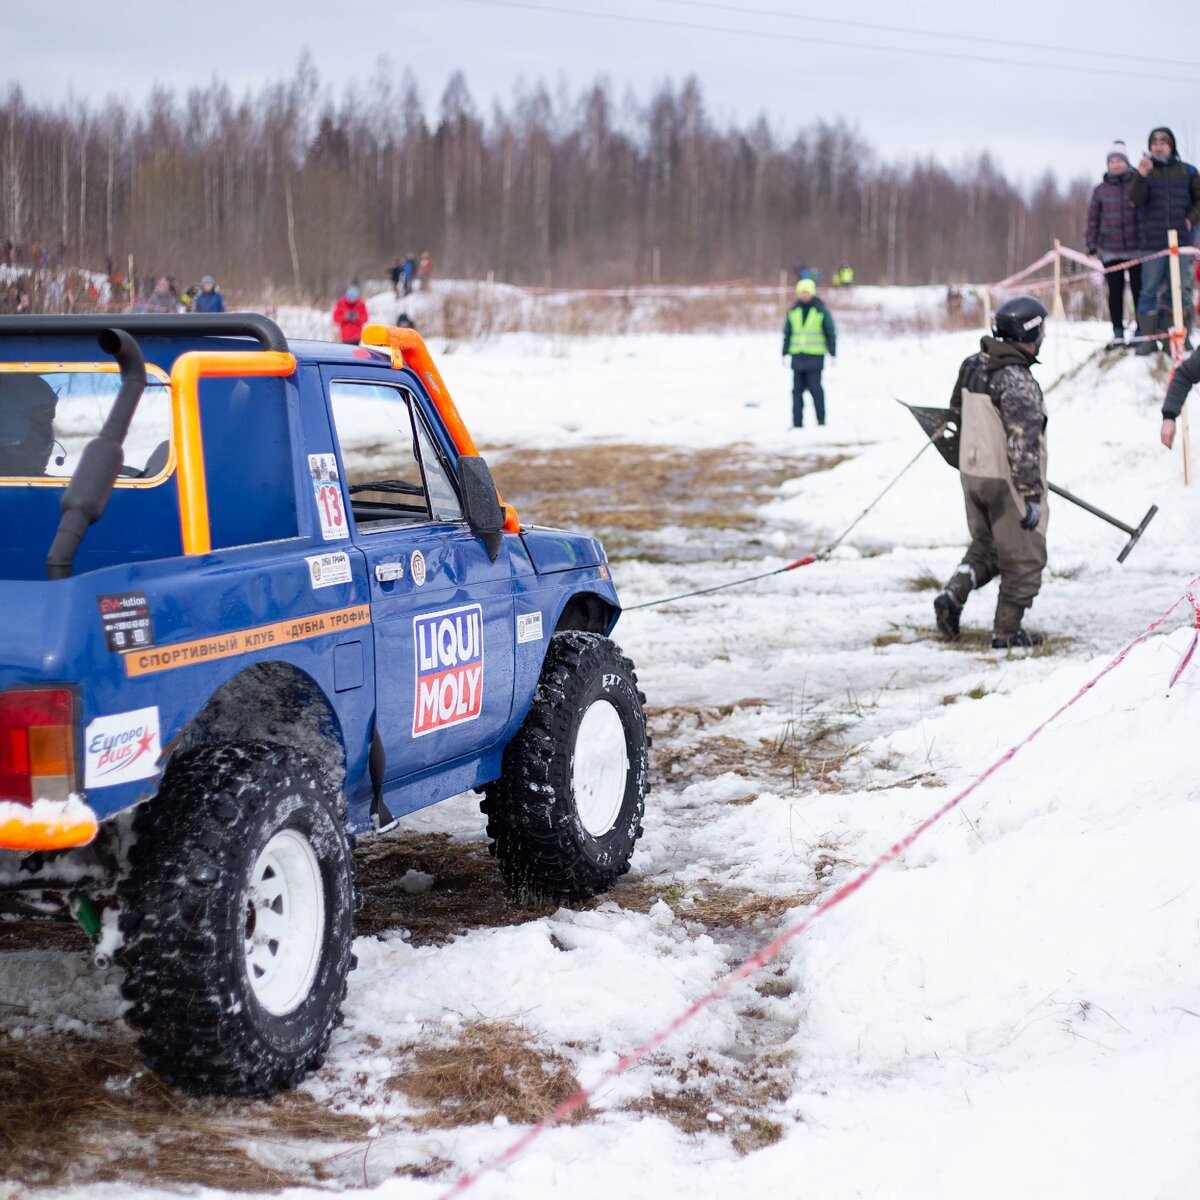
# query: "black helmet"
1021,319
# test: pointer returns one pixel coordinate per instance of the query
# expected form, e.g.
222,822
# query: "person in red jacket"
350,315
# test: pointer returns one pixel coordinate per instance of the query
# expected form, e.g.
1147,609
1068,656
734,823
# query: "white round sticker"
417,565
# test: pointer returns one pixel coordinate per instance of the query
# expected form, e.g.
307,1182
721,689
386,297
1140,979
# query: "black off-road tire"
186,915
538,835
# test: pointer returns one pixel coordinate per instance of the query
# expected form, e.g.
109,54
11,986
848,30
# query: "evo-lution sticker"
126,621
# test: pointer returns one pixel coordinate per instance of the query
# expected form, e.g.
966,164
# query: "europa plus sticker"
121,748
449,677
328,489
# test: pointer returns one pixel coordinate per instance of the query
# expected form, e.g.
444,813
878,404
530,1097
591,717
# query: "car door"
441,609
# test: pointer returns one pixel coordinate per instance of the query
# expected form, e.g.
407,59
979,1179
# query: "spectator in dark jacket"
1186,376
1167,191
1114,236
209,298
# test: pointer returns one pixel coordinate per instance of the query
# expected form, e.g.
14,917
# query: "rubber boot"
1146,327
948,603
1007,633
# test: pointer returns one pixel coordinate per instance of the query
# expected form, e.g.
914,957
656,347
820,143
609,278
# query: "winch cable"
807,560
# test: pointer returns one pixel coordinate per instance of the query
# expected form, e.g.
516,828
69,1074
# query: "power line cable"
936,33
993,60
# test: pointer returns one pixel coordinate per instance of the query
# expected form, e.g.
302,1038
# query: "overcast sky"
1110,70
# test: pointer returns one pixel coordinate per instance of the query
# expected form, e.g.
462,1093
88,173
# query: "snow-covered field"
1010,1009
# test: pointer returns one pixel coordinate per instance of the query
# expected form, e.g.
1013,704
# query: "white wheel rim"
285,922
599,768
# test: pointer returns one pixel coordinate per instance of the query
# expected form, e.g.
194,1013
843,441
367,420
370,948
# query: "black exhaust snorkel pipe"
102,458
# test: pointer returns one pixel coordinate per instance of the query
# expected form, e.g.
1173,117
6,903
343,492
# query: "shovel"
941,427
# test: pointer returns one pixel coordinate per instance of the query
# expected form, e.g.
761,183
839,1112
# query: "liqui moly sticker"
529,627
324,570
121,748
449,676
327,487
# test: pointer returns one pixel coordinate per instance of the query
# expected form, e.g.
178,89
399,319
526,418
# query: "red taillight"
37,745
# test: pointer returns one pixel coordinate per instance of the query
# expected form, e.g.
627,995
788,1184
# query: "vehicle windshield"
49,412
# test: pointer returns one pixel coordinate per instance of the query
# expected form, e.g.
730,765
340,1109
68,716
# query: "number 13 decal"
330,500
328,490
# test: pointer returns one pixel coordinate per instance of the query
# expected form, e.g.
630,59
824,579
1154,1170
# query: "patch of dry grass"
734,908
682,747
84,1111
492,1069
467,891
620,491
26,924
721,910
711,1098
979,641
806,750
809,750
925,581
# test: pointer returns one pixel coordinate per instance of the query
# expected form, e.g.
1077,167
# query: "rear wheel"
237,916
567,809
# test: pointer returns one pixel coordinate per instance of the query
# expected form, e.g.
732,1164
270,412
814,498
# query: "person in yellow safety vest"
808,335
845,275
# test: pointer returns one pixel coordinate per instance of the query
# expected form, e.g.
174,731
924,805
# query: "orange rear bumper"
47,825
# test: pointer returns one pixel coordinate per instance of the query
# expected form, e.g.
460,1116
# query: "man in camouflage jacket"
1002,465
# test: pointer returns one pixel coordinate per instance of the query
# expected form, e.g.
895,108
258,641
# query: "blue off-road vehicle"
260,597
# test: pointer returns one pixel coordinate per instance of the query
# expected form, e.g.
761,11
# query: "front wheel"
567,809
237,914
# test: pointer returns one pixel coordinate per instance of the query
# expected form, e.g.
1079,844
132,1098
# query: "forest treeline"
293,189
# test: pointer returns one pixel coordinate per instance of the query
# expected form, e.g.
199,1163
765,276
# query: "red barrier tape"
1094,266
1187,658
771,949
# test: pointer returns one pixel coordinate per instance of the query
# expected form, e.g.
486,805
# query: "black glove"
1033,514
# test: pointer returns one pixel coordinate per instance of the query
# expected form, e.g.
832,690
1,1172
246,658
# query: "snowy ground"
1010,1009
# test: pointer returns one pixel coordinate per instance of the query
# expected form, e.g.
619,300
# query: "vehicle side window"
393,472
443,498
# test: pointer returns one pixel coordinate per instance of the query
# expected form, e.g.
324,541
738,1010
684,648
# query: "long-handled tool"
1134,534
941,427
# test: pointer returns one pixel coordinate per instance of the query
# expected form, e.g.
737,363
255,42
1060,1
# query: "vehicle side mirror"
481,505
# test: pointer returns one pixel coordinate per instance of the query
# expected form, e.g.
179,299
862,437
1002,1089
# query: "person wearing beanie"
1114,235
1166,191
209,299
808,335
350,315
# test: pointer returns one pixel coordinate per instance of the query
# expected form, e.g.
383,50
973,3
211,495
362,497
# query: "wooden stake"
1059,312
1178,333
1057,309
